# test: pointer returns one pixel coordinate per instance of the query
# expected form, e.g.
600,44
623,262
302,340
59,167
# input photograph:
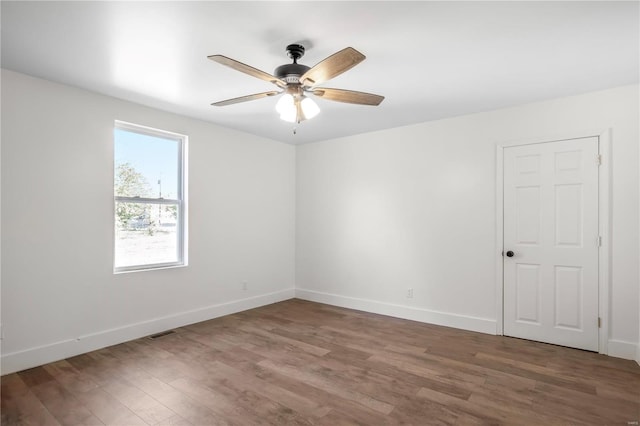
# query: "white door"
551,242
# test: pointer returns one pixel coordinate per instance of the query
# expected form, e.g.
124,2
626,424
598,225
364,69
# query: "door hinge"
599,160
599,322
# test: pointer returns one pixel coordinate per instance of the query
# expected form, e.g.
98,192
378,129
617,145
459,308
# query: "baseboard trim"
482,325
33,357
622,349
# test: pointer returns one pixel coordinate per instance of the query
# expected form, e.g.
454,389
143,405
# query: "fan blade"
348,96
332,66
246,98
254,72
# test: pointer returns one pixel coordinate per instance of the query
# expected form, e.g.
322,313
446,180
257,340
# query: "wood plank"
63,405
177,401
245,382
26,409
320,382
139,402
108,409
175,420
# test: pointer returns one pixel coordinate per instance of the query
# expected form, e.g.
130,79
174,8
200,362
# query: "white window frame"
180,202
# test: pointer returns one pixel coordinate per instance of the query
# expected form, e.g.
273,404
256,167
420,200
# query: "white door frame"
604,224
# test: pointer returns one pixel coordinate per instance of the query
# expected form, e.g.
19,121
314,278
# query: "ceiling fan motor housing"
291,73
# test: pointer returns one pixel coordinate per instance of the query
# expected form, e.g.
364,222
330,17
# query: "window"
149,203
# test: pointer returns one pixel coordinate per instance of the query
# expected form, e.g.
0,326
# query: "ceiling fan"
296,81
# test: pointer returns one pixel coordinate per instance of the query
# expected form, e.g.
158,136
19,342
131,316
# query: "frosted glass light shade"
285,103
309,108
288,109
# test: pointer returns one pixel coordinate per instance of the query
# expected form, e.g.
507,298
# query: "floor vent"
164,333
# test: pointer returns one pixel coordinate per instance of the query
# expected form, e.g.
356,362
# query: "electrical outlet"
244,285
409,293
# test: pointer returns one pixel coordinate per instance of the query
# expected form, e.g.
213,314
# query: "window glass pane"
148,167
145,166
146,234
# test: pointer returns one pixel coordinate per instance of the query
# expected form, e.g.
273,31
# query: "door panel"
568,300
551,224
568,206
528,293
528,215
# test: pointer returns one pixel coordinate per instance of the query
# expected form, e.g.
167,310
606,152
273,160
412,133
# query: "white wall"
58,284
376,214
415,207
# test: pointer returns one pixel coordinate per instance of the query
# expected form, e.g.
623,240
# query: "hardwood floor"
304,363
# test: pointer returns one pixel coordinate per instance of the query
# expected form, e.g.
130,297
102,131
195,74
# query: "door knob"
510,253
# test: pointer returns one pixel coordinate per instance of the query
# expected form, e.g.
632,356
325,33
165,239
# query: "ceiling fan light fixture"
289,106
286,107
289,117
309,108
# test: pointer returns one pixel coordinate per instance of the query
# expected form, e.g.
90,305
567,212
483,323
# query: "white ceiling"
429,59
